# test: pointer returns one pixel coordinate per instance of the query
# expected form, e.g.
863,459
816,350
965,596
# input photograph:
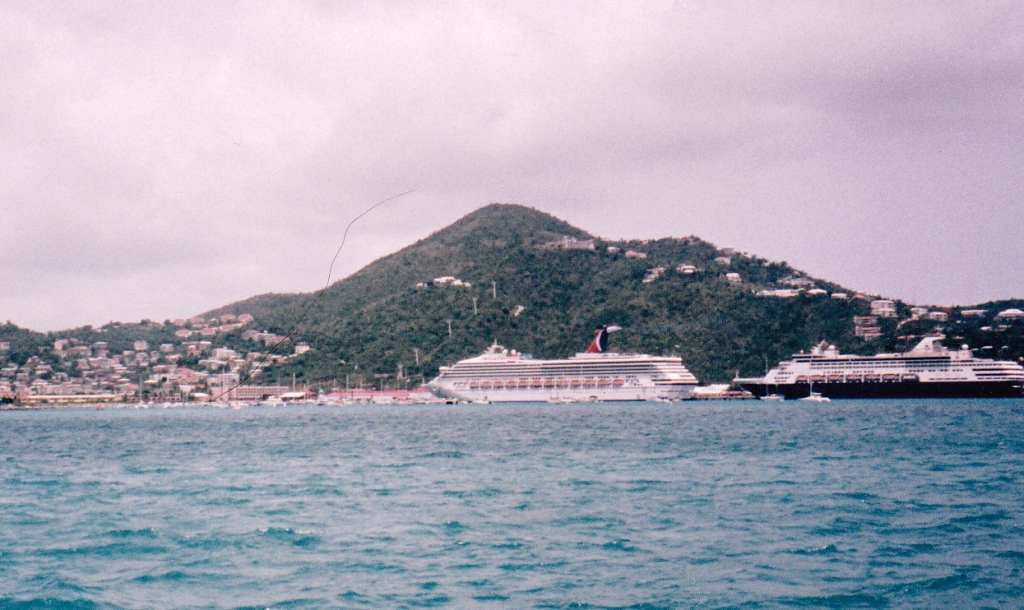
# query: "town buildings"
89,372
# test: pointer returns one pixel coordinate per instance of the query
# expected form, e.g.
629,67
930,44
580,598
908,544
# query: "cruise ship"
930,370
501,375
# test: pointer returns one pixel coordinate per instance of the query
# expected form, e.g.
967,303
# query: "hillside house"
883,308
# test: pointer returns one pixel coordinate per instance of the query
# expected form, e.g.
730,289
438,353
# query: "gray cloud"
158,161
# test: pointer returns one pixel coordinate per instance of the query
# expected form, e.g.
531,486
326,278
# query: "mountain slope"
521,287
378,318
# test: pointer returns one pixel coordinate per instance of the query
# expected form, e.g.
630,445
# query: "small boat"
560,401
815,397
773,398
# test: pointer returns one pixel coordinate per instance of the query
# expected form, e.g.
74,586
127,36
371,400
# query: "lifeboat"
891,377
563,383
834,377
575,383
485,385
910,378
603,383
498,385
618,382
817,378
870,378
537,383
473,385
801,378
549,383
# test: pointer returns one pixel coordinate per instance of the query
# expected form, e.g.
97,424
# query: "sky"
161,159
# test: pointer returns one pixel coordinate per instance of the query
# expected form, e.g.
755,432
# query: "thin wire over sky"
309,302
168,160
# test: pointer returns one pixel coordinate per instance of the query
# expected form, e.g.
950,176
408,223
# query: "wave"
50,603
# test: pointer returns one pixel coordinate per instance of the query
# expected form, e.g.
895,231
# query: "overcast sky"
161,159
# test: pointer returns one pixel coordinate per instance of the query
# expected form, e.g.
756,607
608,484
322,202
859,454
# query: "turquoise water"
849,504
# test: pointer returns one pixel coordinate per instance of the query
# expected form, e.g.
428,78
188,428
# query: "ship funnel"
600,342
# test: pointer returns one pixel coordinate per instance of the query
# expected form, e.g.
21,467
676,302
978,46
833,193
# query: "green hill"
521,287
377,319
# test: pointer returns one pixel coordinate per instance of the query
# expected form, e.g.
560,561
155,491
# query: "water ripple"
865,504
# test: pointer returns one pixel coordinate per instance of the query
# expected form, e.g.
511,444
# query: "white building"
798,282
577,244
653,274
883,308
917,312
1010,314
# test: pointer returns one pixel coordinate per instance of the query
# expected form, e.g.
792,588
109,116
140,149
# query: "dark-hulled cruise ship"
930,370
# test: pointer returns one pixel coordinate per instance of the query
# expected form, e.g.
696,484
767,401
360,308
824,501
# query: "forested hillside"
531,282
540,298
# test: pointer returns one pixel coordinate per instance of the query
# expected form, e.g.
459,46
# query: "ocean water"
850,504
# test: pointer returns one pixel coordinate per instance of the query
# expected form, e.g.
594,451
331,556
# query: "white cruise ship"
930,370
500,375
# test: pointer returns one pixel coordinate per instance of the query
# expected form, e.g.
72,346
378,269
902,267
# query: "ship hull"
897,389
651,393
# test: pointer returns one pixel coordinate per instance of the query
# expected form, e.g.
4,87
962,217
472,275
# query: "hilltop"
532,282
535,295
